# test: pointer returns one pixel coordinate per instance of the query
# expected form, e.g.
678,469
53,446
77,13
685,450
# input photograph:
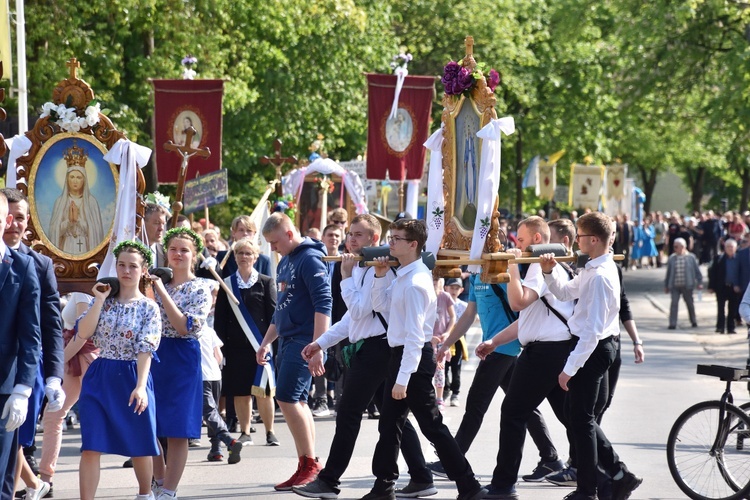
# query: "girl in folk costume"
76,222
79,354
178,382
117,408
242,328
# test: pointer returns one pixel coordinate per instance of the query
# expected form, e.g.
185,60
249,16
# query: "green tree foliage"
660,85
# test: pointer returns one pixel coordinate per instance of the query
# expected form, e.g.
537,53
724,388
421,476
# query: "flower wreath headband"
137,246
183,231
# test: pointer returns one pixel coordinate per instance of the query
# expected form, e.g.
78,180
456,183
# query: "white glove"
208,263
15,411
55,394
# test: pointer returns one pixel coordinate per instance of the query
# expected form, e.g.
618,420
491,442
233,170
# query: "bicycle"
705,449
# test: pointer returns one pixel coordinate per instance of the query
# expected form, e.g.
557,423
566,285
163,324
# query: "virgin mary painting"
76,224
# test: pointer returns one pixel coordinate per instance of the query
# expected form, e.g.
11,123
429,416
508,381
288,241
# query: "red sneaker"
310,469
292,481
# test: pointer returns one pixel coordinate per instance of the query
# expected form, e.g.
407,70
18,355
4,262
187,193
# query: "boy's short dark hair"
563,227
415,230
332,227
13,195
596,224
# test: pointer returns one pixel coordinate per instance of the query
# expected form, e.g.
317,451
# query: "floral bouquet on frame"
284,204
458,79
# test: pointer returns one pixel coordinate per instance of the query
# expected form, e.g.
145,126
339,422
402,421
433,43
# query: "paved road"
649,398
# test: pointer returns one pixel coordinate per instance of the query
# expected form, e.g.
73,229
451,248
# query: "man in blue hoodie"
303,311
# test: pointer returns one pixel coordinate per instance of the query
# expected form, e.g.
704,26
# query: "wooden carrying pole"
222,284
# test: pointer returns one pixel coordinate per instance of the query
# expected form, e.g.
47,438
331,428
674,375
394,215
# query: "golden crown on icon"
75,156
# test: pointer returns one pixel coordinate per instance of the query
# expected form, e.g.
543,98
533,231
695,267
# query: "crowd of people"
151,356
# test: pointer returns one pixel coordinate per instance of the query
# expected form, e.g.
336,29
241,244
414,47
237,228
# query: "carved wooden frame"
72,274
484,101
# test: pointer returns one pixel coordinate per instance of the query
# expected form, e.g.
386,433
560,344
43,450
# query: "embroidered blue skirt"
108,424
178,386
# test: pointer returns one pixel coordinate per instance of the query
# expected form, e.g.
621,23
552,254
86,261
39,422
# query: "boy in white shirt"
595,324
211,359
410,299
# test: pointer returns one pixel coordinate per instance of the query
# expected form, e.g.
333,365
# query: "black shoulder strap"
555,312
509,312
375,313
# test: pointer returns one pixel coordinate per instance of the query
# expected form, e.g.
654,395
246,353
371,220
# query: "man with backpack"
490,301
542,329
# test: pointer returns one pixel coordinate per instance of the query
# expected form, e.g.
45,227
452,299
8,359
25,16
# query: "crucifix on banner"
187,152
278,161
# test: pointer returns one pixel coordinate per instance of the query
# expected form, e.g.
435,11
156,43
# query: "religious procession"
230,276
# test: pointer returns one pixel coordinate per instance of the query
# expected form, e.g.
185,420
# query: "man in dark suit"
723,279
243,227
155,222
49,380
20,333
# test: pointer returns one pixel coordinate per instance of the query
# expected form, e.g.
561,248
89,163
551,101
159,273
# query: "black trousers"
534,379
8,455
496,371
453,369
367,372
724,296
420,399
217,428
591,444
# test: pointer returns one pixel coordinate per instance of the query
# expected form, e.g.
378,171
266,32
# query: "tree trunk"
745,190
696,187
519,172
648,178
149,171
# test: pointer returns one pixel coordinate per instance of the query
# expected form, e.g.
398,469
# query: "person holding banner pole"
241,328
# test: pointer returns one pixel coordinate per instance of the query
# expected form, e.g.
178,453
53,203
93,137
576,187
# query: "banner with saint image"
179,104
394,145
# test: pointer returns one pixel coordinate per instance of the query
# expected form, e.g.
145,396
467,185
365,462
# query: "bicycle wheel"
706,456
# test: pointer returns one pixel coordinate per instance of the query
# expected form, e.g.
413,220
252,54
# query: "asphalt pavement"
649,398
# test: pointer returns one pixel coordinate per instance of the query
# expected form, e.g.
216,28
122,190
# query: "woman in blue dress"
178,382
643,243
117,409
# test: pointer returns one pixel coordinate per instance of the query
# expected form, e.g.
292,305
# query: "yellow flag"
5,53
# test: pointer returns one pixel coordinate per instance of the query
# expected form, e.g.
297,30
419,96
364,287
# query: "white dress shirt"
358,322
412,302
596,315
536,323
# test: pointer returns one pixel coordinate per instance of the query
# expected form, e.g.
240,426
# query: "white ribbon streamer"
19,146
489,182
400,73
435,213
130,156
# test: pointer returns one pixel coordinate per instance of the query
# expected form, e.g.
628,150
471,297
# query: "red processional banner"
179,104
394,144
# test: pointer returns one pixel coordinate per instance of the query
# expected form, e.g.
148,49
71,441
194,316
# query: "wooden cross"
469,42
278,161
73,65
187,151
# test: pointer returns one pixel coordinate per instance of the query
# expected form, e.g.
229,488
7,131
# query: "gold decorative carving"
72,275
483,100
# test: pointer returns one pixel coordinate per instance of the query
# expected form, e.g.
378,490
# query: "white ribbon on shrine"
19,146
435,213
489,182
130,156
400,73
292,182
